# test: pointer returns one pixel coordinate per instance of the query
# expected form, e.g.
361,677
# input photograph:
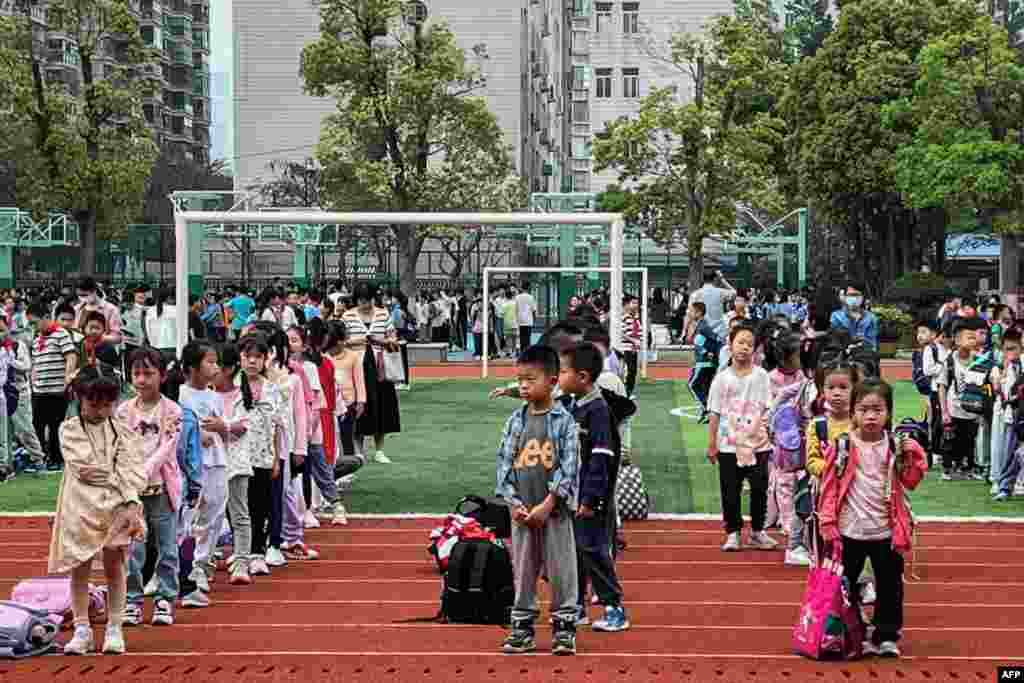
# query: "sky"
222,57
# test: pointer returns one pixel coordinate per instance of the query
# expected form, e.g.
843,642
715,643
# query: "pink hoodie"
165,459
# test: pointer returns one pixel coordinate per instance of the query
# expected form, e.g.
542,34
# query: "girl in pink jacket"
864,506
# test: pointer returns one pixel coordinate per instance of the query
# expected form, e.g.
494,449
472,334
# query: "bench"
676,353
427,353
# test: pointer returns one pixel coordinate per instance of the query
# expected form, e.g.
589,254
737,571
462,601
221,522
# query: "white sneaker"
760,540
380,458
888,649
798,557
275,558
340,515
240,574
197,599
869,649
202,581
867,593
309,520
82,643
152,587
113,640
732,542
258,566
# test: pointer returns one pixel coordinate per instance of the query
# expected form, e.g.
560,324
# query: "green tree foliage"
684,165
86,148
411,131
808,23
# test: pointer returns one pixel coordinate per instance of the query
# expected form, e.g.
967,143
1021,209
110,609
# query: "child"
158,421
98,506
963,369
236,404
790,386
350,387
864,509
266,417
580,366
54,361
1003,378
933,357
536,476
738,439
201,448
705,350
94,326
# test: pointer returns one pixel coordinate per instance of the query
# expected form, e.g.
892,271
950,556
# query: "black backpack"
10,388
922,381
493,515
478,586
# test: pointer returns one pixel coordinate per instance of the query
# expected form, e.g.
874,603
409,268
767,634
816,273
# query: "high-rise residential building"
179,113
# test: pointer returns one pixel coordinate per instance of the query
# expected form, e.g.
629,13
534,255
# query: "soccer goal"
614,315
182,218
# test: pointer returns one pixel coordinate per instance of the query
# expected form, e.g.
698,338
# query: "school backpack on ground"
52,595
631,499
789,452
25,632
492,515
922,381
456,527
478,586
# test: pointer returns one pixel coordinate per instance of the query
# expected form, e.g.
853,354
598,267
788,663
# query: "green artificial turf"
450,433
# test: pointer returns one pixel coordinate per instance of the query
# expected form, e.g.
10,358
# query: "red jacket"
834,490
326,372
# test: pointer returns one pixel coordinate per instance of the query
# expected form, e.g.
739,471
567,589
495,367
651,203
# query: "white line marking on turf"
306,626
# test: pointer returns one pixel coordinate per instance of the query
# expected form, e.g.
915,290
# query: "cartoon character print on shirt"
747,429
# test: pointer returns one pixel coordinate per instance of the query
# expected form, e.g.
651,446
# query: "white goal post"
615,222
614,319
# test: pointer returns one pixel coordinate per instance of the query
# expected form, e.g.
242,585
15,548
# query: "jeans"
318,470
594,561
162,523
730,481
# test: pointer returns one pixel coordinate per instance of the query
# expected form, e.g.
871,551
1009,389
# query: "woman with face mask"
860,323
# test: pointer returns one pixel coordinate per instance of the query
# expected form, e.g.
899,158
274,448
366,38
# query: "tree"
808,23
173,172
89,150
411,131
683,166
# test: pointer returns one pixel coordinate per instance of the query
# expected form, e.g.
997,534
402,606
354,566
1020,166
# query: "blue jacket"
190,452
561,426
865,327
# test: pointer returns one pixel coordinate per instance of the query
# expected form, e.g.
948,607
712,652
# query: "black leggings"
48,411
261,508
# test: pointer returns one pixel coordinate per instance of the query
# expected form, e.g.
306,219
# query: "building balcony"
200,13
63,58
181,8
200,85
200,39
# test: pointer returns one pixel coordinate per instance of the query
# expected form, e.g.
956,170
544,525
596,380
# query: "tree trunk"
87,235
409,245
695,251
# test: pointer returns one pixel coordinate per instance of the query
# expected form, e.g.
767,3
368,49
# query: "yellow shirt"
815,453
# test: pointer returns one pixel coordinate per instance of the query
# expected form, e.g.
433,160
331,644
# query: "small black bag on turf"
495,516
478,587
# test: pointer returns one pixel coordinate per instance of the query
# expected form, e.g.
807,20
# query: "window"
580,112
631,83
580,77
581,181
579,42
604,82
631,17
604,17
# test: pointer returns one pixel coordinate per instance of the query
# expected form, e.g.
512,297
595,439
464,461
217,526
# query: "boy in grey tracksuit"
22,428
537,472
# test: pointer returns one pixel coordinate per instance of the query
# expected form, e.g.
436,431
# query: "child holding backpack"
929,362
864,510
157,420
537,477
961,387
98,505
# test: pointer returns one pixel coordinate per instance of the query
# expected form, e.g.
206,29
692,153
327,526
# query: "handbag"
631,498
390,366
829,626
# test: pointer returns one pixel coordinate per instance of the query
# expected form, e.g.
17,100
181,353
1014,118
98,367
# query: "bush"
893,323
916,290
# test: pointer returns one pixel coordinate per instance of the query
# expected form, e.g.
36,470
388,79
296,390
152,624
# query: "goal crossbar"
182,218
614,319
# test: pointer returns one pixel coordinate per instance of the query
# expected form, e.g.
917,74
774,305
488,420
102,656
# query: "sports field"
450,433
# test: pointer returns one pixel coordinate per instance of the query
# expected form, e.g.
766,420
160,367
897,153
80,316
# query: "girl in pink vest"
864,506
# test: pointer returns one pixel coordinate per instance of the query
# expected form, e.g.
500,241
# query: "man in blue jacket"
861,324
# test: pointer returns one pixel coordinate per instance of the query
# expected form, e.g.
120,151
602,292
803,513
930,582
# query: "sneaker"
197,599
81,643
947,476
1018,490
888,648
6,474
163,613
34,468
257,566
595,600
563,640
381,459
614,620
345,483
1000,496
340,517
275,558
867,593
240,574
198,576
869,649
798,557
732,543
113,640
760,540
582,618
309,520
300,551
132,615
520,639
54,467
152,587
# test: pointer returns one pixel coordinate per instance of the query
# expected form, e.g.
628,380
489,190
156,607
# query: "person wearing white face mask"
88,301
860,323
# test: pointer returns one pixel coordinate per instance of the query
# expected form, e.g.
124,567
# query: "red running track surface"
698,614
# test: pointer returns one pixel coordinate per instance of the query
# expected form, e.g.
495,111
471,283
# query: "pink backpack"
52,594
829,626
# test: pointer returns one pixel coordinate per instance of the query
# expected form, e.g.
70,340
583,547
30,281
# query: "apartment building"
179,113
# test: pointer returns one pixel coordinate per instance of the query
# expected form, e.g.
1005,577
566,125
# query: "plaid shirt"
561,427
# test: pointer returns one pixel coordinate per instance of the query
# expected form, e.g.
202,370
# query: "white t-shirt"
962,376
742,404
205,403
526,307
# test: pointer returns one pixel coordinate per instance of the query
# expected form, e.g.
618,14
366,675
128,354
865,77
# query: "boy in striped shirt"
632,338
54,362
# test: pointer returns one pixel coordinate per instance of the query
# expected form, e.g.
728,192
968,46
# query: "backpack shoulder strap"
821,428
478,573
935,352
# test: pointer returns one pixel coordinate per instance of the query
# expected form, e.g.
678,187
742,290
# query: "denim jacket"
865,327
190,452
561,427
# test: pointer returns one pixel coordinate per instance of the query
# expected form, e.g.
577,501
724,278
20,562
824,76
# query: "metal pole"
644,321
801,248
485,326
615,261
181,279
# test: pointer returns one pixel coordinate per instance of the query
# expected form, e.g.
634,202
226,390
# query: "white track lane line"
225,600
305,626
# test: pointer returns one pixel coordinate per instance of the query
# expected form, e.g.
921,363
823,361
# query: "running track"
699,615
